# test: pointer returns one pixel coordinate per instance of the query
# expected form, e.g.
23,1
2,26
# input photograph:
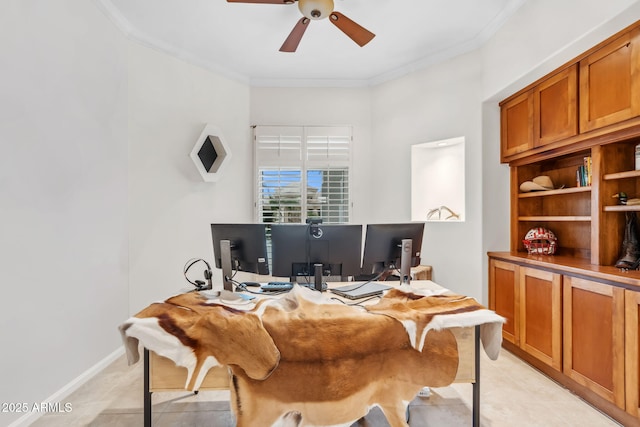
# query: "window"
302,172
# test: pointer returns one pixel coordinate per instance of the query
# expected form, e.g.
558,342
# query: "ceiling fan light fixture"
315,9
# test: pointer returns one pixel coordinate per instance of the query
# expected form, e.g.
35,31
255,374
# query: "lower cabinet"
632,352
531,302
594,337
585,332
541,315
504,296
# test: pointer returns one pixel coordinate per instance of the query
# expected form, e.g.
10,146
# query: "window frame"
338,156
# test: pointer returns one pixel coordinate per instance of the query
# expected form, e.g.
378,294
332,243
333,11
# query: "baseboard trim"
72,386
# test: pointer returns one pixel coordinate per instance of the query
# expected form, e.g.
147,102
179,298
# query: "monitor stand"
318,277
405,261
305,274
225,263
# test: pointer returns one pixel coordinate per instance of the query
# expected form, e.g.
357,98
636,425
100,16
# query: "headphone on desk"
199,284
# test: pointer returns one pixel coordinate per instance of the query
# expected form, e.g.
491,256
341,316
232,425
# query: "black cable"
242,287
358,303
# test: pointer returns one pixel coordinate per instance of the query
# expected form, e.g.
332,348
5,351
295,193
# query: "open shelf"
557,192
622,175
622,208
554,218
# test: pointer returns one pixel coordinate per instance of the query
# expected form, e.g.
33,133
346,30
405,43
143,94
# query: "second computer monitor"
248,246
296,248
383,244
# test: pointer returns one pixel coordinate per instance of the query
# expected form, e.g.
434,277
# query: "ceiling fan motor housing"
315,9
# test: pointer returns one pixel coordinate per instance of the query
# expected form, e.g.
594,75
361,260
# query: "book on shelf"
583,174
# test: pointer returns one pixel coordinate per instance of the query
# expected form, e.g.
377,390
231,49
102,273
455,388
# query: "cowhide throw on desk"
305,359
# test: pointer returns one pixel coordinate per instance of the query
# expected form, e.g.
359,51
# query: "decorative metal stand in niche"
434,211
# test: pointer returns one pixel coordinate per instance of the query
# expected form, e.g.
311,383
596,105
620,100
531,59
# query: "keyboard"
277,286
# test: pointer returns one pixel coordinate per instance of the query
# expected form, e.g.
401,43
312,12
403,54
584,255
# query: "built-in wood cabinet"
577,322
544,114
594,337
541,315
572,314
588,220
566,210
504,297
573,104
610,82
555,106
616,165
530,301
632,352
516,129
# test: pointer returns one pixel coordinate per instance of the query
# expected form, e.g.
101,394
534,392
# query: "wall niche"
438,180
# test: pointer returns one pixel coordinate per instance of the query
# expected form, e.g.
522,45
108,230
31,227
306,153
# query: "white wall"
171,207
544,34
63,204
440,102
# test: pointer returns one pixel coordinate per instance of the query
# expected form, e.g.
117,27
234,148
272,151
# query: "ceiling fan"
317,9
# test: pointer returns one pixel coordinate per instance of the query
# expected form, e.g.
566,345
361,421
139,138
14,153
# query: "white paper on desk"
426,292
231,299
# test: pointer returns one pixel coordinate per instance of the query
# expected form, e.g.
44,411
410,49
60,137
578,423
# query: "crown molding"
134,34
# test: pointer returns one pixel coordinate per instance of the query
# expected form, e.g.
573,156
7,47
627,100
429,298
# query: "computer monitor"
248,246
383,246
296,248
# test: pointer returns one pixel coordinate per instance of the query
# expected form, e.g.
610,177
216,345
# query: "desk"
161,374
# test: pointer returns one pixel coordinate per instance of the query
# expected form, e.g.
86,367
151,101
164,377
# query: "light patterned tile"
512,394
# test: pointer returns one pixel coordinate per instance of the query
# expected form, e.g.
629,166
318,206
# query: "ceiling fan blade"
261,1
292,42
356,32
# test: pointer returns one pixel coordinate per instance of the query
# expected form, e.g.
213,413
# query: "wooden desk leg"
147,393
476,384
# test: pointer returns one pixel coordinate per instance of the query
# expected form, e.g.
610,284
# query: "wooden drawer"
164,375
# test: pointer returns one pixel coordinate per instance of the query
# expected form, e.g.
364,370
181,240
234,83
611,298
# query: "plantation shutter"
302,172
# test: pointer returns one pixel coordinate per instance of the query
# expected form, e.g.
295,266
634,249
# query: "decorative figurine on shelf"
540,241
630,251
622,197
439,210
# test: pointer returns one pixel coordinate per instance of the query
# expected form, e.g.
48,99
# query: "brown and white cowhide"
198,335
304,359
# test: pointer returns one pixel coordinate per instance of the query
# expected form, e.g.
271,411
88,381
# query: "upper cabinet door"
555,103
610,83
516,125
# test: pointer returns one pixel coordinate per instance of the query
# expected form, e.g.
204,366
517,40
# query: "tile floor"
512,394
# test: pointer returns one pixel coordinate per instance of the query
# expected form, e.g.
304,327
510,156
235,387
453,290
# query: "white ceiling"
243,40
